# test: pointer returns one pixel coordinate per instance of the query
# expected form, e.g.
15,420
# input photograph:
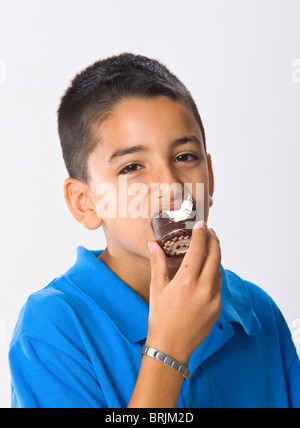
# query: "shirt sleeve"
293,384
46,377
289,359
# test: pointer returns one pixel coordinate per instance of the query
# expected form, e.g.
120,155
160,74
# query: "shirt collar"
116,299
130,313
237,304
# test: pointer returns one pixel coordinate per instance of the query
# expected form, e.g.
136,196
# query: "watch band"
168,361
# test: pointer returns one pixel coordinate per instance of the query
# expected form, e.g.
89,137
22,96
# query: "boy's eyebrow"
184,140
123,152
141,148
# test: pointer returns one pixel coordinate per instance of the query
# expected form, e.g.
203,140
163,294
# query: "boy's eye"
130,168
133,167
185,156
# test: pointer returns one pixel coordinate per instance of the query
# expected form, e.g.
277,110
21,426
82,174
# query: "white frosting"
184,211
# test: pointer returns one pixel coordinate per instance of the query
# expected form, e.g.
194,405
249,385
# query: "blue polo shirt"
77,344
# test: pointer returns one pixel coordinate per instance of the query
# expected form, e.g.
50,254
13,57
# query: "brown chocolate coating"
173,237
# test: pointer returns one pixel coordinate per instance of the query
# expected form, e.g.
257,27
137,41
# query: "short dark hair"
94,92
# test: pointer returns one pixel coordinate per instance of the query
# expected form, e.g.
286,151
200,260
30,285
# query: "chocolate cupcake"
171,231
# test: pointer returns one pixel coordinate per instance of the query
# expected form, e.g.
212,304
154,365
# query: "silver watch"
168,361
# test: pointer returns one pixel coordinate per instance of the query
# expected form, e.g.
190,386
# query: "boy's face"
154,124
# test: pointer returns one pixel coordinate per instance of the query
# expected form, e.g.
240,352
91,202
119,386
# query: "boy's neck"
134,271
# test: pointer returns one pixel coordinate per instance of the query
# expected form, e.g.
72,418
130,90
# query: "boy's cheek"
137,231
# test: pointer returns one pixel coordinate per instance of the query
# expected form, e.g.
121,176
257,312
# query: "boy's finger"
218,282
159,266
194,257
212,263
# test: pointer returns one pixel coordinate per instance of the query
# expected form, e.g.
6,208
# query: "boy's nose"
164,181
165,174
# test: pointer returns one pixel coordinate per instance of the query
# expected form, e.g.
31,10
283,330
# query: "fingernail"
212,230
201,225
150,247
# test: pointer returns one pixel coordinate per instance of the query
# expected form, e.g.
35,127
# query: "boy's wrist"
167,360
172,351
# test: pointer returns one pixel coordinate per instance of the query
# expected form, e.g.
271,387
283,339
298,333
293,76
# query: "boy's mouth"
166,207
170,228
171,207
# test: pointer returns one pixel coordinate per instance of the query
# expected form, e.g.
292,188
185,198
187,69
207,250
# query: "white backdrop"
241,61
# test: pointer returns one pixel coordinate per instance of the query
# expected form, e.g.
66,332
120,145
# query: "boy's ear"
80,203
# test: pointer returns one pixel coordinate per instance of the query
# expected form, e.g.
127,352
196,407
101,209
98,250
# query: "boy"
209,338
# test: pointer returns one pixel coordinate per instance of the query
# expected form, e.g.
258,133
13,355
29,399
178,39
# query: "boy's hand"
184,310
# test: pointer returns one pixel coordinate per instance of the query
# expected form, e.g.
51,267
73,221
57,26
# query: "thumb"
159,266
